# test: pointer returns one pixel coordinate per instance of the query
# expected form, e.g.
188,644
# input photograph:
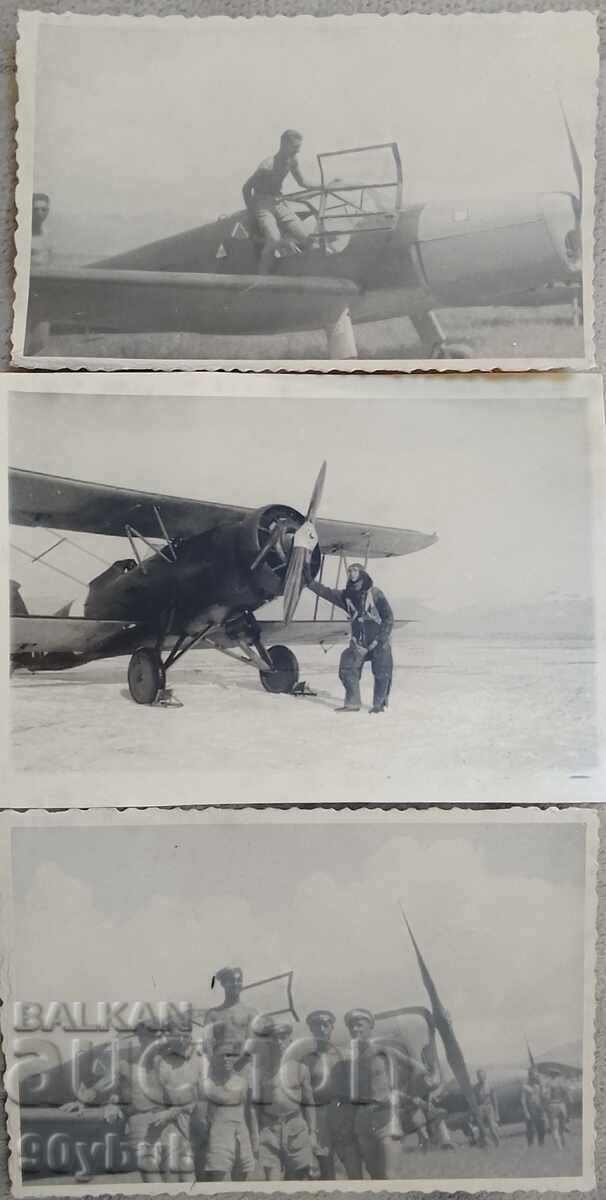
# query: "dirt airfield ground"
512,1159
489,332
469,718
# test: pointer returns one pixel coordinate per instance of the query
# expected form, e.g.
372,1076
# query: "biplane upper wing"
144,301
52,502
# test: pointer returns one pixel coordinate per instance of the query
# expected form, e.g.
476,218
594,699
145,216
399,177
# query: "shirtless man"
269,211
232,1020
286,1112
227,1118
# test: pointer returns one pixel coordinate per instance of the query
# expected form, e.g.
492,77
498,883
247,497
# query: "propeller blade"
576,163
304,542
316,495
294,582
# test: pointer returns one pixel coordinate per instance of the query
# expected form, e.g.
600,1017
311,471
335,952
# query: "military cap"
320,1014
358,1012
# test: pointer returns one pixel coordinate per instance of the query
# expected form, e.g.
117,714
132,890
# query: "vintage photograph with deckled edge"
282,1001
305,589
363,210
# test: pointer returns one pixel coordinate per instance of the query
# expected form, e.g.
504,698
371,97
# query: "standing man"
286,1112
334,1117
487,1108
557,1110
377,1124
271,214
226,1119
232,1020
533,1107
371,620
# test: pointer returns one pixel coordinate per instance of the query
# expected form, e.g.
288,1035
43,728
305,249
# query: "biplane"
197,573
370,257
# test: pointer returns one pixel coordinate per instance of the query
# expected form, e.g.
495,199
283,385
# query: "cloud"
506,952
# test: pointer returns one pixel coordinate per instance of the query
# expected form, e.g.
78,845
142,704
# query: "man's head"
358,579
321,1023
231,980
291,141
533,1075
226,1055
40,210
481,1076
360,1022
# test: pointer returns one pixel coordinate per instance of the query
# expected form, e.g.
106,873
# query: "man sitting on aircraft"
371,625
271,214
231,1020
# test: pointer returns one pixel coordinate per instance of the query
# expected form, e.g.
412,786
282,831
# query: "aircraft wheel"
146,676
285,673
451,350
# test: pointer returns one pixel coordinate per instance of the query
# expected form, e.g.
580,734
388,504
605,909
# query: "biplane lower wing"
87,638
67,635
121,301
52,502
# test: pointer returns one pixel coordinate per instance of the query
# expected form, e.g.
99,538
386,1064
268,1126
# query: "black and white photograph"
299,1001
363,190
233,589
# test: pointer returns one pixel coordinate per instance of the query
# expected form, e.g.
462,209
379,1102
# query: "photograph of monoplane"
268,563
404,222
373,1057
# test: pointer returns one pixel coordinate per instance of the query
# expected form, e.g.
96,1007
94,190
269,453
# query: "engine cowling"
266,540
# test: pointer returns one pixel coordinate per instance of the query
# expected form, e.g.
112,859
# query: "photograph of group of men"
239,1097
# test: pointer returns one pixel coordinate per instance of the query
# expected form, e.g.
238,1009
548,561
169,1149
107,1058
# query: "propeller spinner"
304,542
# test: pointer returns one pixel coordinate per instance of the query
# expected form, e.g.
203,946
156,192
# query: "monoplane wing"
122,301
65,635
52,502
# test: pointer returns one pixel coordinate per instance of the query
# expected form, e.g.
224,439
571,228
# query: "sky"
142,132
505,486
151,913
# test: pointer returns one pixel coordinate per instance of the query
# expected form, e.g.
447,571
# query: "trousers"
350,672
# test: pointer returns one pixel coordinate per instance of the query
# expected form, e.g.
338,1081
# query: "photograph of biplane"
340,1011
153,523
191,232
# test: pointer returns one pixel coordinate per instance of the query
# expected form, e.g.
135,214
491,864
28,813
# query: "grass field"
489,332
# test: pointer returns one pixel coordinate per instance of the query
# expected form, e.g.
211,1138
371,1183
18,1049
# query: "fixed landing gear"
277,665
431,333
451,350
285,670
146,676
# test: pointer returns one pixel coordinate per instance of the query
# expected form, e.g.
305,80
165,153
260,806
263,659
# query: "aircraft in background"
371,259
210,568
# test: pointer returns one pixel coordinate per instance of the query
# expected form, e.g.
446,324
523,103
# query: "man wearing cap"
270,213
371,621
377,1125
286,1112
334,1116
231,1020
225,1118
